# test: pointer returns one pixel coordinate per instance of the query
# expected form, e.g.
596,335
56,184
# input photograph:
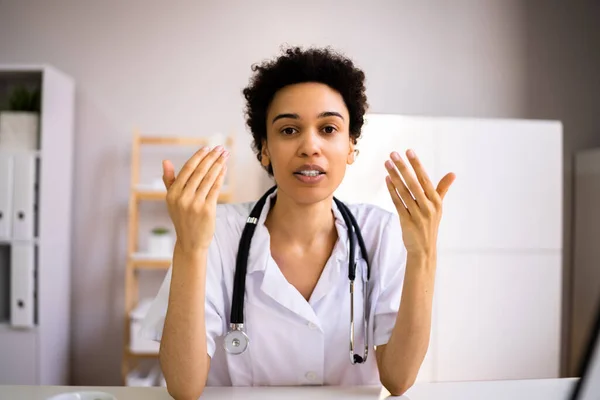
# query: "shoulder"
371,217
382,234
229,225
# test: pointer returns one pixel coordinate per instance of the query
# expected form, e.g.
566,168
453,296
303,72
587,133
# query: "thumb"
168,173
444,184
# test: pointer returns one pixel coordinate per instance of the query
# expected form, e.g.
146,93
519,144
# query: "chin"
307,194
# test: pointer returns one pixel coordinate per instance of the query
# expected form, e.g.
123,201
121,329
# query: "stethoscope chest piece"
236,340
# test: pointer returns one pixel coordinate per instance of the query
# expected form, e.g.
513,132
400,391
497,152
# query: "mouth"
310,170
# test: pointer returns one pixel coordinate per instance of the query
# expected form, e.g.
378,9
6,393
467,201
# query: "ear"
352,153
264,155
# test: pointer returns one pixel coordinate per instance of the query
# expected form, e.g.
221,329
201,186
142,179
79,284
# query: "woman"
305,111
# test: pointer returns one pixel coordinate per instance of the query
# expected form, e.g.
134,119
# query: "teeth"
310,173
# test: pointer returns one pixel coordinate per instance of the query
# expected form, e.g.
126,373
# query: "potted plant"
19,125
161,242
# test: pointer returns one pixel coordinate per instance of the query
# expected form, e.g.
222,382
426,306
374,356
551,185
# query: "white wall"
180,67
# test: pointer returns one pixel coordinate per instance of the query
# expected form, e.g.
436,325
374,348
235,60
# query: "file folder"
6,195
22,285
23,218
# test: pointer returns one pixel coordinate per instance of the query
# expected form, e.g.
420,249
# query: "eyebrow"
296,116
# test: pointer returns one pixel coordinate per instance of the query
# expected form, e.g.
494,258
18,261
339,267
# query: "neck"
300,224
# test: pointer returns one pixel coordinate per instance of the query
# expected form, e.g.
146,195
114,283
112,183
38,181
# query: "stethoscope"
236,340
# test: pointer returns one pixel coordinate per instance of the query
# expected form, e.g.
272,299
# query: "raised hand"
419,204
192,197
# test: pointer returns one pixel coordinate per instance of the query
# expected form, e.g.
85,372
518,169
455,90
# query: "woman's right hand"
192,197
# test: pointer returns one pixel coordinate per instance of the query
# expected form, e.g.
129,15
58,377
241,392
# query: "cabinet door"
24,192
6,185
508,191
365,179
18,364
498,315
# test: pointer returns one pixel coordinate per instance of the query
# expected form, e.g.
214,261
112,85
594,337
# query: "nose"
310,143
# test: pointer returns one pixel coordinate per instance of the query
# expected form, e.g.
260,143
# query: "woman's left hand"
419,204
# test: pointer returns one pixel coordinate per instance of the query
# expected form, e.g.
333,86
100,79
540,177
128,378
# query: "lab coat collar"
274,283
258,258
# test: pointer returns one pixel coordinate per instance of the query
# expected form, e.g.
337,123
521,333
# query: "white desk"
550,389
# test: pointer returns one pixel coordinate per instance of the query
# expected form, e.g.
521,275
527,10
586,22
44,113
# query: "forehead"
307,100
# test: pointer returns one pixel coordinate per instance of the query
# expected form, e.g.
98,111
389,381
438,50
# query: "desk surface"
546,389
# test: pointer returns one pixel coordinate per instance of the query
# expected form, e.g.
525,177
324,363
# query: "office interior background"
112,69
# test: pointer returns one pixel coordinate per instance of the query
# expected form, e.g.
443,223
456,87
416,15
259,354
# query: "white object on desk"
84,396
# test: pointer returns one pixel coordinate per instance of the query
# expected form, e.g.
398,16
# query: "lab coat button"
312,326
311,376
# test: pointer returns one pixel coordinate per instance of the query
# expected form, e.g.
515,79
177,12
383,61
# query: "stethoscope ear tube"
239,283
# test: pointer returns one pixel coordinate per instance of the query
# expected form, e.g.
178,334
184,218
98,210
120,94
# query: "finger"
401,188
211,176
421,175
409,178
188,169
201,170
402,210
445,183
215,190
168,173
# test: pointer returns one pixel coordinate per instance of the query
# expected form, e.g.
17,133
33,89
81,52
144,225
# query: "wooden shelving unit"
137,260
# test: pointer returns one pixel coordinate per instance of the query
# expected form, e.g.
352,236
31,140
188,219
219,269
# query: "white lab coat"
292,341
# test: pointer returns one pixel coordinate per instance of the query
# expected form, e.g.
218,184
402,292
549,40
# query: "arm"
183,352
192,200
400,359
419,206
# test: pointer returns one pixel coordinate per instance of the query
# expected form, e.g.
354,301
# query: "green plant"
160,231
23,99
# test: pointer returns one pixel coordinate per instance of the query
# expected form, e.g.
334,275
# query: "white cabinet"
508,191
35,235
498,316
497,302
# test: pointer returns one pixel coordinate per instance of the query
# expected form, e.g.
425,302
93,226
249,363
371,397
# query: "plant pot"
19,130
161,245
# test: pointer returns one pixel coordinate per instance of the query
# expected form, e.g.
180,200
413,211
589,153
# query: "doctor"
305,111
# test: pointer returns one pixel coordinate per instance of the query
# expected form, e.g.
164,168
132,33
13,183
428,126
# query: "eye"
329,129
288,131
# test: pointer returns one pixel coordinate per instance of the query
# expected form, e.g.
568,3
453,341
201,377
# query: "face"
308,141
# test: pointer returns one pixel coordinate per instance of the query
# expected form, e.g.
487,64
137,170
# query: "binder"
22,285
23,217
6,195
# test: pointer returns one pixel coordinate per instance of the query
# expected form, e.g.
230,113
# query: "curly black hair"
297,65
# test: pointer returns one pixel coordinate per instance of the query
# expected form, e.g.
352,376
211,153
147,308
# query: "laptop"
588,386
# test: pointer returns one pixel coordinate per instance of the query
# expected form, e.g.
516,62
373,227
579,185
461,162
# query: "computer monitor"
588,386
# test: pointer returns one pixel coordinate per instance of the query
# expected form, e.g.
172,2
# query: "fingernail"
219,148
389,164
205,148
225,154
410,153
395,156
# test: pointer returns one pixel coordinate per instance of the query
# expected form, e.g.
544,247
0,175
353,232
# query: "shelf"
18,152
149,192
149,261
176,141
132,354
10,241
